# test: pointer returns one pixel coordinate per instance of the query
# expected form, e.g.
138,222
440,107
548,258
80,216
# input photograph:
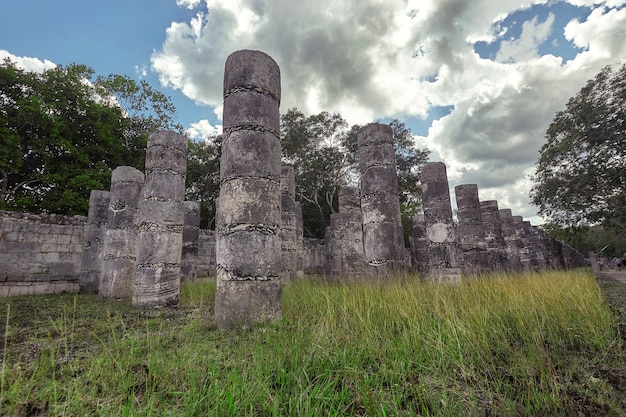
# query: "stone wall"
40,254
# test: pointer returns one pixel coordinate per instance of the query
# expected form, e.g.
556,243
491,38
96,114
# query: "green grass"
541,344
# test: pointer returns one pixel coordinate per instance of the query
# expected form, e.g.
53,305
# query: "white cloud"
395,58
202,130
28,63
189,4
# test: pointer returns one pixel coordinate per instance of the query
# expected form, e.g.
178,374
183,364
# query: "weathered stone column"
299,241
383,239
419,246
288,226
191,236
494,238
162,217
120,255
511,240
249,211
206,253
444,254
470,230
91,264
346,257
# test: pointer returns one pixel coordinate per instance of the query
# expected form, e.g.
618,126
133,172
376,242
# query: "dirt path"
616,275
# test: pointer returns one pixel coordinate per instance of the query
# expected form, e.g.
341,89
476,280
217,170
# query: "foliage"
604,241
61,135
581,172
324,152
534,345
203,177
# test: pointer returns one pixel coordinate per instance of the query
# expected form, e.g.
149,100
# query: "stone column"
299,241
419,247
470,230
346,236
91,263
511,241
162,216
206,252
119,256
288,226
191,235
249,212
494,239
383,239
444,254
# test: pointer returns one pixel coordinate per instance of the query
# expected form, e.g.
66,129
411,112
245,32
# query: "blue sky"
478,81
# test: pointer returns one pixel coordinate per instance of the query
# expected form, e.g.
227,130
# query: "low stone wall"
40,254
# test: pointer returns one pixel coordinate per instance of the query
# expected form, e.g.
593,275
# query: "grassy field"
549,344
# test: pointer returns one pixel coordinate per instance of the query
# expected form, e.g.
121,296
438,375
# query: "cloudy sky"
478,81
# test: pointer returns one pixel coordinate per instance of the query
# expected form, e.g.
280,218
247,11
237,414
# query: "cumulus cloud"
27,63
397,58
202,130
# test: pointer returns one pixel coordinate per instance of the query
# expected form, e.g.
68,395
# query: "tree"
580,175
61,136
313,145
203,177
324,152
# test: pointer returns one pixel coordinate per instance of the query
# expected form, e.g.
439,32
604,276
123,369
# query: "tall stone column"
494,239
419,246
162,218
120,255
470,230
249,212
299,241
191,236
444,254
288,226
383,239
512,242
91,264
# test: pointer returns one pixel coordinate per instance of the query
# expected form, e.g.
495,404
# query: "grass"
535,345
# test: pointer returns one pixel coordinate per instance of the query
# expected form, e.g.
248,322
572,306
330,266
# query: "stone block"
245,303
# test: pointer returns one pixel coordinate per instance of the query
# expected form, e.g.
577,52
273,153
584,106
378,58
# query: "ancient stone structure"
249,211
470,232
345,237
445,258
494,239
512,243
119,255
191,237
419,246
91,263
162,216
288,225
206,253
383,238
40,253
299,242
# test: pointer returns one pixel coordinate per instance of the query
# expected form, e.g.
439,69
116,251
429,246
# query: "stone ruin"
141,238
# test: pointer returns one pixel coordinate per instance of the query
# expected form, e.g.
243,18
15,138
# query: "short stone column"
512,242
191,236
419,246
346,256
120,236
92,259
445,257
206,253
494,239
162,218
288,225
470,230
249,211
383,238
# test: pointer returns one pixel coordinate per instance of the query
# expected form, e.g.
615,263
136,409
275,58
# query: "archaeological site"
140,239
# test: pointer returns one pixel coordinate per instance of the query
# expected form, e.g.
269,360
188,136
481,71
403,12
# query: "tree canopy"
61,134
581,172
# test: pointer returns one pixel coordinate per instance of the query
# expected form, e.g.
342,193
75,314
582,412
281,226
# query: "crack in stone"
232,277
251,128
248,88
166,265
157,227
270,230
274,180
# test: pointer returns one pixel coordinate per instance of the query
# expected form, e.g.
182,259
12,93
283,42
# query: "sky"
477,81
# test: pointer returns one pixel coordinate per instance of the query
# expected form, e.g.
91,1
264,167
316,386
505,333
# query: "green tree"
61,135
580,175
203,177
